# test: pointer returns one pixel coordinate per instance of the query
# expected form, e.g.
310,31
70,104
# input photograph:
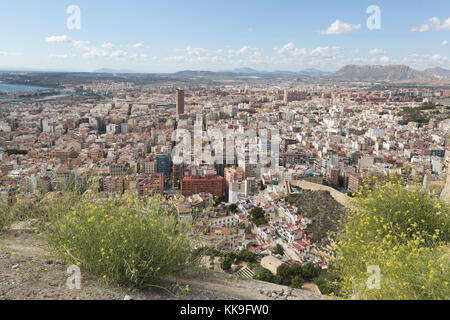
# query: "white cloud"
80,44
444,43
138,45
422,61
119,54
377,52
290,49
436,57
324,51
385,59
58,39
60,56
433,24
95,53
243,50
339,27
175,59
198,52
107,45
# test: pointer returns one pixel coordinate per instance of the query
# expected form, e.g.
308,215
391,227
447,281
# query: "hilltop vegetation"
321,208
122,240
404,232
424,113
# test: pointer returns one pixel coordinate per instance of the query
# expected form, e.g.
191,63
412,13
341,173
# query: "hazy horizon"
175,35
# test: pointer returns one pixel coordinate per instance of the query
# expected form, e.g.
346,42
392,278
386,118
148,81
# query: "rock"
269,294
127,297
15,266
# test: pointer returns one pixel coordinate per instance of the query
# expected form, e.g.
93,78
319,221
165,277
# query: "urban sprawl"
222,151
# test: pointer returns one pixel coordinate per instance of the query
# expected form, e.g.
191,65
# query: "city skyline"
169,36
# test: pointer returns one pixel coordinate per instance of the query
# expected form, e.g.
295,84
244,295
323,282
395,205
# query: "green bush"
279,249
226,263
246,255
326,283
287,272
123,240
297,282
5,216
263,274
257,216
310,271
402,230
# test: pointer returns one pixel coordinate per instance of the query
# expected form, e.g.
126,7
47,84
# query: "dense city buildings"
212,184
238,145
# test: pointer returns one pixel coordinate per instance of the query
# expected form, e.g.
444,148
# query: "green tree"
246,255
257,216
279,249
233,207
256,213
297,282
263,274
310,271
285,274
226,263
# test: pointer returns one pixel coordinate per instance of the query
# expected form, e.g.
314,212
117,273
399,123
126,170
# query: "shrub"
123,240
226,263
287,272
257,216
310,271
5,216
402,230
326,283
297,282
279,249
263,274
246,255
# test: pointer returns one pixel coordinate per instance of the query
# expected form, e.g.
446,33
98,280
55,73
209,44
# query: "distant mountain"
381,73
313,71
244,70
444,73
309,71
105,70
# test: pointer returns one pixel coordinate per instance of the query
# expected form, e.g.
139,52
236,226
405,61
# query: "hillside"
29,272
321,208
444,73
381,73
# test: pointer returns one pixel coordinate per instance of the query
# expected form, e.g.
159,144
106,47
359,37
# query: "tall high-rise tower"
180,101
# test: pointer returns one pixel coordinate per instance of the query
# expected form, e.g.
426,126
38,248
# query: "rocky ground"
28,271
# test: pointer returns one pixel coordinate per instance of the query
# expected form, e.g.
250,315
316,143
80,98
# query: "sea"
17,87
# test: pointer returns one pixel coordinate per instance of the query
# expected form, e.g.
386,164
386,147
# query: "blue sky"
173,35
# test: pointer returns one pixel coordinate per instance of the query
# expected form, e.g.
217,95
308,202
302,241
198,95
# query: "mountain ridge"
382,73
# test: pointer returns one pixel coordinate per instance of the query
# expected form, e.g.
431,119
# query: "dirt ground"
29,272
